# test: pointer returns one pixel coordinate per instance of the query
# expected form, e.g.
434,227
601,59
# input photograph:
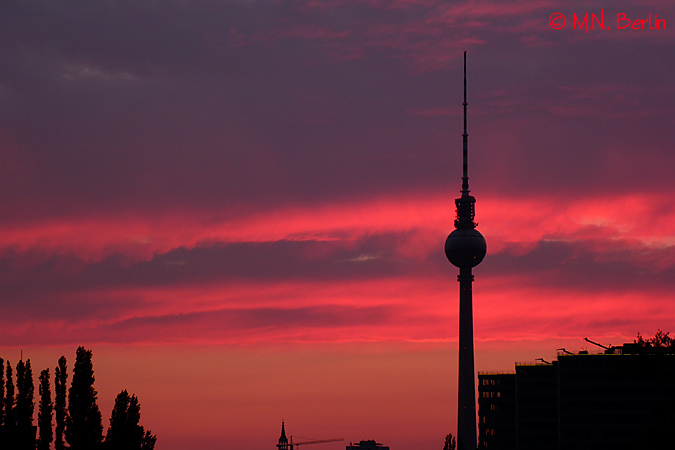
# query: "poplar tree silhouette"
149,441
9,398
29,395
45,413
124,432
450,442
19,402
84,429
60,412
25,394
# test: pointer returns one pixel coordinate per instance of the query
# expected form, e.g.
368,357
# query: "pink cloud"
522,221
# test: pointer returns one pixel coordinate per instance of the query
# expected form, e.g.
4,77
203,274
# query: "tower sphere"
465,247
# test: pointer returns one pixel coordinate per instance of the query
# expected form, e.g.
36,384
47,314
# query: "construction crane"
608,350
595,343
288,444
319,441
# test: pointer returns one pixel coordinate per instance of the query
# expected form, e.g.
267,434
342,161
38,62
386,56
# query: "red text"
622,22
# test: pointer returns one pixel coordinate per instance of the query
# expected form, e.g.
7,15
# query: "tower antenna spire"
466,203
465,143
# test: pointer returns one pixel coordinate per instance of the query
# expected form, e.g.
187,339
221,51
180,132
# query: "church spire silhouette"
465,248
283,440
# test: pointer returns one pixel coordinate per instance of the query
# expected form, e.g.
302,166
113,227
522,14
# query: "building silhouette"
496,406
465,248
536,406
367,445
622,398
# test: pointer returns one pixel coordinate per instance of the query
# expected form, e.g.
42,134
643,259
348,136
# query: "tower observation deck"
465,248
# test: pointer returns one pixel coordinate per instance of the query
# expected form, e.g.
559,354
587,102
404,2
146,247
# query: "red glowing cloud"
343,272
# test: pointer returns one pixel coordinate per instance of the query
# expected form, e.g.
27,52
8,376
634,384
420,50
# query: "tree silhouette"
660,340
45,413
84,429
78,420
60,412
9,397
124,432
149,441
19,402
24,395
28,397
450,442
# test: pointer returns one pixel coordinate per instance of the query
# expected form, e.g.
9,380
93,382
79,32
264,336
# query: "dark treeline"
73,410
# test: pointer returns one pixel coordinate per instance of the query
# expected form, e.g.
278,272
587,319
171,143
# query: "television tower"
465,248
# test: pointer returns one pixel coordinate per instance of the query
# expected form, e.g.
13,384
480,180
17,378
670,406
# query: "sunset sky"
240,205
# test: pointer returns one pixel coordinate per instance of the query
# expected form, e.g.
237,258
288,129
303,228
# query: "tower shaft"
466,398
